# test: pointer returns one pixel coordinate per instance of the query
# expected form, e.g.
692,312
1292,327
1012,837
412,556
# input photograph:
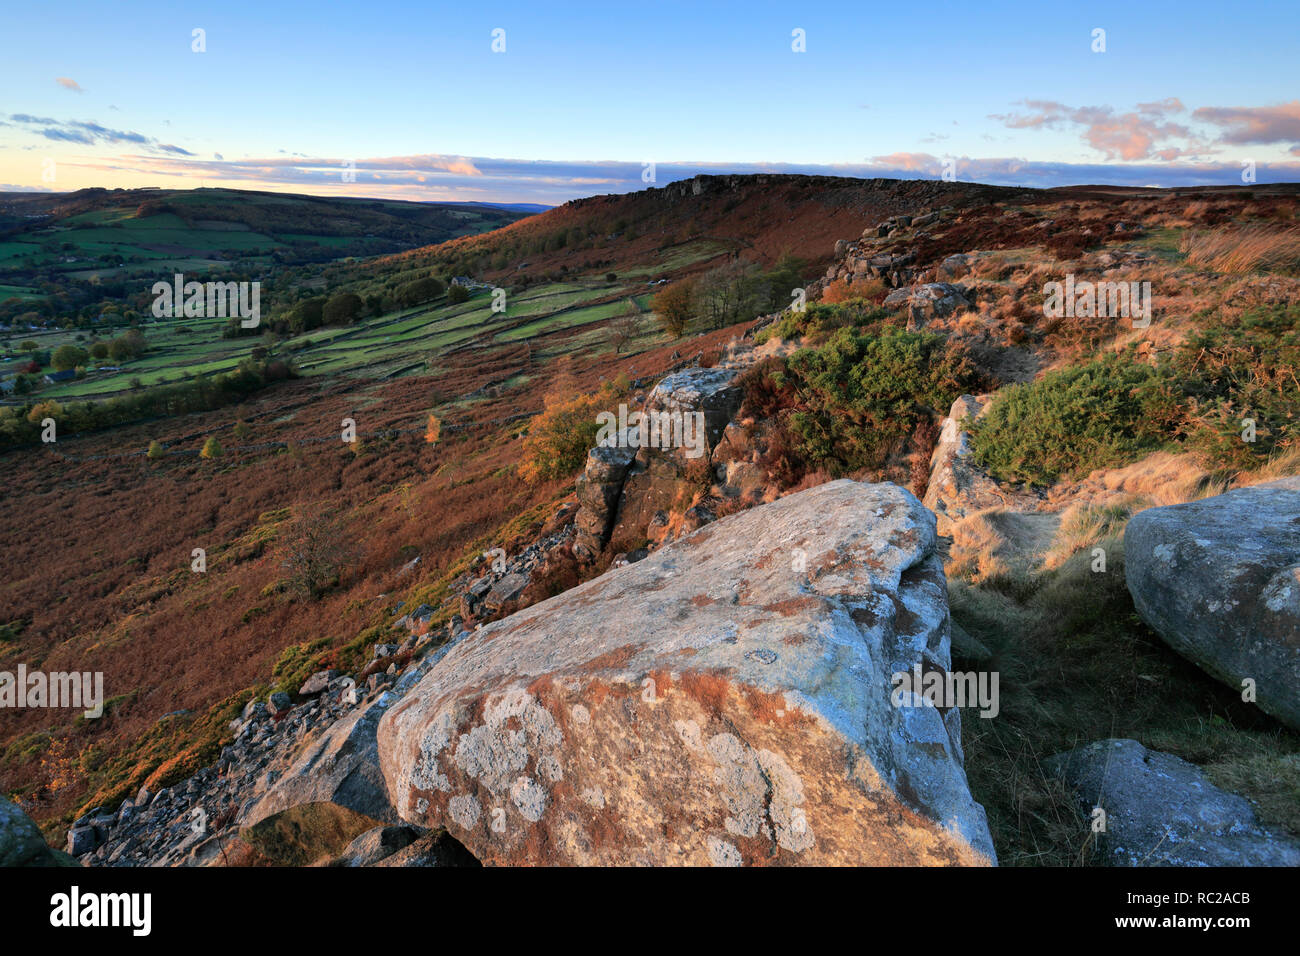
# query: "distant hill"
103,234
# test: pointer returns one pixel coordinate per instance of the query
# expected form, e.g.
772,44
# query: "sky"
529,102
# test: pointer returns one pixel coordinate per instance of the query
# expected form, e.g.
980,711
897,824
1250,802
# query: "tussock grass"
1077,664
1247,249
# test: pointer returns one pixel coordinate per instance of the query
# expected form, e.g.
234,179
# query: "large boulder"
726,700
1162,811
21,841
714,393
599,487
1219,581
662,479
958,487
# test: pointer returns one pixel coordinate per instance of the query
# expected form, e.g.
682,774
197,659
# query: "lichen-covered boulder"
958,487
1219,581
726,701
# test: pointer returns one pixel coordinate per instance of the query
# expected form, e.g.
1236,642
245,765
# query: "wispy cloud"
68,84
90,133
1144,133
1254,124
511,180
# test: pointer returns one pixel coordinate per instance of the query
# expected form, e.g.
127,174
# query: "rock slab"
1219,581
725,701
1162,811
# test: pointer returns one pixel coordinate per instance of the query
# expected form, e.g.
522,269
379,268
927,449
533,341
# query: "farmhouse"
66,375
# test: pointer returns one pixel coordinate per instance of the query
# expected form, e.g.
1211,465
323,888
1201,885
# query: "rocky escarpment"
726,700
877,253
1219,580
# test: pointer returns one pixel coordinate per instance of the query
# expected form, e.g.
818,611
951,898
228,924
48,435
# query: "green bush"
860,396
1071,421
1230,371
1112,410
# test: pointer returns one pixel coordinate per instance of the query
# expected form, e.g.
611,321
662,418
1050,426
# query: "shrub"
674,305
457,294
842,290
560,437
861,396
211,448
1070,422
418,291
68,356
343,309
155,450
315,552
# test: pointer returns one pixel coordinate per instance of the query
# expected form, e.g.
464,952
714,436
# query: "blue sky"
584,94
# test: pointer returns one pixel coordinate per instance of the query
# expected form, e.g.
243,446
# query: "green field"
182,348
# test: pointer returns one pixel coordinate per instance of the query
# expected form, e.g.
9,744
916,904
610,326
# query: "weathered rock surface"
933,300
658,479
1162,811
374,845
958,487
725,700
1219,580
599,487
336,776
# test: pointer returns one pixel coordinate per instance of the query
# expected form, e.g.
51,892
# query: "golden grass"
978,550
1247,249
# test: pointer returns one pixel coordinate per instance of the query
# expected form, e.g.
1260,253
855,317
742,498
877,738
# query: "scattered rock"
318,683
1162,811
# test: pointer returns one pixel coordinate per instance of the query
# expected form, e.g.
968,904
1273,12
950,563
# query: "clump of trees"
203,393
728,294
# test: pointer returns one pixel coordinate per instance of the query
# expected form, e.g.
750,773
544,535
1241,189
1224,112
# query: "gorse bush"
1112,410
1070,421
1232,371
859,397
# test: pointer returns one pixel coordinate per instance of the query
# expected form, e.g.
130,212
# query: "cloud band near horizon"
483,179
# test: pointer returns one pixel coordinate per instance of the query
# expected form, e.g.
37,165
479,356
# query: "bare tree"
316,551
625,327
